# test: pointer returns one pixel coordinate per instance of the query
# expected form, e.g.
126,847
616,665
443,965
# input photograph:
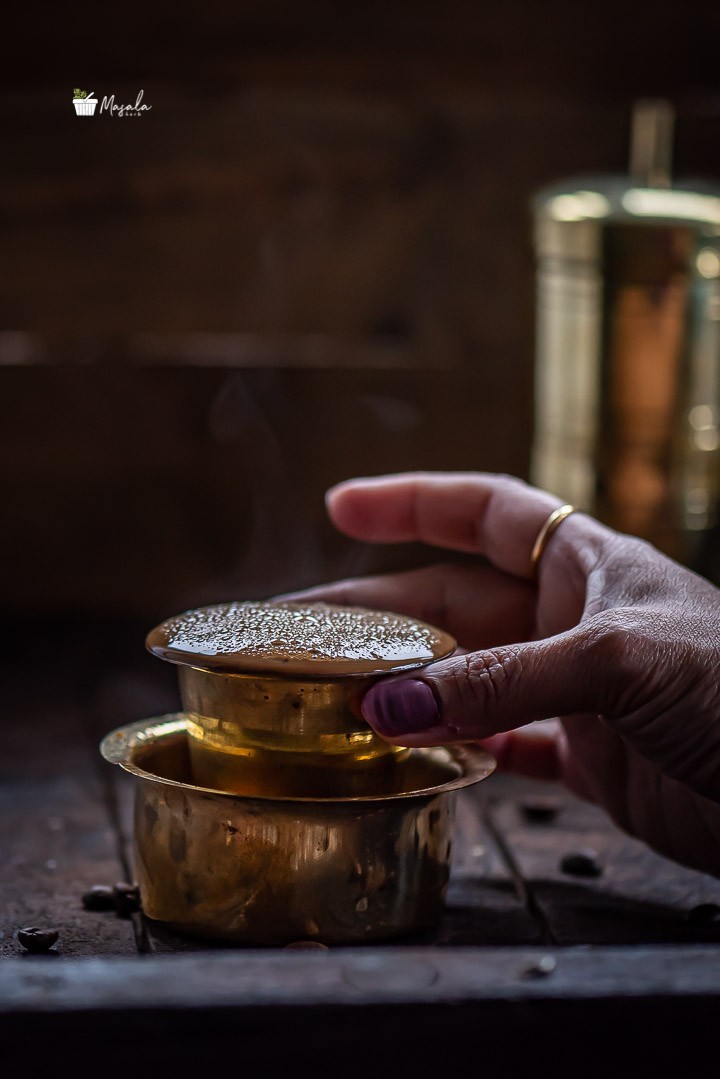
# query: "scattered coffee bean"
541,809
541,968
581,863
704,914
37,940
100,897
127,898
307,946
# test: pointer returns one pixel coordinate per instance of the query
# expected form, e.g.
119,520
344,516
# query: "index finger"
475,512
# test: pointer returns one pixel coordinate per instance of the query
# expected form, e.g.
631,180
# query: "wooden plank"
356,976
640,896
647,1011
421,46
363,218
271,212
484,906
224,350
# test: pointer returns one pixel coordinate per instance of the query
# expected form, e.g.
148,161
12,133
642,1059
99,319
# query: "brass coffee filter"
278,735
268,811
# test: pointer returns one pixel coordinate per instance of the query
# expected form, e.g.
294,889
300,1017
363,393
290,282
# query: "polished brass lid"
318,641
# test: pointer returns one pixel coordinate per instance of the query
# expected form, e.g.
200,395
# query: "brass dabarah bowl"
268,871
268,810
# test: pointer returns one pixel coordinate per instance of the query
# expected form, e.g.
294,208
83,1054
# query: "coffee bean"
541,968
37,940
127,898
581,863
540,809
307,946
704,914
100,897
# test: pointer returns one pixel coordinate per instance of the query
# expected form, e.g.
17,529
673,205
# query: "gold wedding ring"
556,517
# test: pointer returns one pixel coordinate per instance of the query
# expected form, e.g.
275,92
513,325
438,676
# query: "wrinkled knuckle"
489,677
615,643
607,636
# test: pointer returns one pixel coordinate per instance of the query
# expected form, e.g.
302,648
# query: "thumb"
479,694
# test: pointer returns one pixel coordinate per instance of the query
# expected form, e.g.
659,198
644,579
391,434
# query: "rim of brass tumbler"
267,811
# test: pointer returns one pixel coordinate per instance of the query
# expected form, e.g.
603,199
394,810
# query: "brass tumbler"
267,870
627,416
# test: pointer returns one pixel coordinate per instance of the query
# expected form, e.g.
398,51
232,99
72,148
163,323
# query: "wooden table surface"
636,950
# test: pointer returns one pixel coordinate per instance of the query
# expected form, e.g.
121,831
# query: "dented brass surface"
255,734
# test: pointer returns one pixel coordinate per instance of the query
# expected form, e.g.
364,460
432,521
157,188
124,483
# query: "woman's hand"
614,638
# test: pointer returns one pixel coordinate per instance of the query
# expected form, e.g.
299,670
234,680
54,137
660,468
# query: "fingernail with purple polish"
397,708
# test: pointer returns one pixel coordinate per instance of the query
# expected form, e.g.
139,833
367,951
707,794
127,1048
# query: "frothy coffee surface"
302,639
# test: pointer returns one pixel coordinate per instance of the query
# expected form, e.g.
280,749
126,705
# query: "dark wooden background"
311,259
